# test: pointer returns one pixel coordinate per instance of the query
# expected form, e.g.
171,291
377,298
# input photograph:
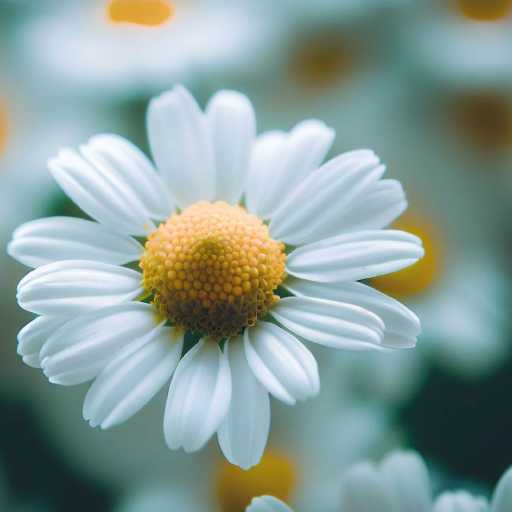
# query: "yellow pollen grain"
485,10
149,13
213,269
420,277
276,475
4,127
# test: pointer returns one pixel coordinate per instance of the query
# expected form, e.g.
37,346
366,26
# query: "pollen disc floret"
213,269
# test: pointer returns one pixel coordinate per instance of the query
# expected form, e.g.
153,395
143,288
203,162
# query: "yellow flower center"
417,278
4,127
275,475
148,13
485,10
213,269
484,119
322,61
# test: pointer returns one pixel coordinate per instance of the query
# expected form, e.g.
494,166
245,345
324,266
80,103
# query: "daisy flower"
402,482
212,268
128,48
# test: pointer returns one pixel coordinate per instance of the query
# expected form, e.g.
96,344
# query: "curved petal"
67,288
52,239
407,478
82,347
34,335
199,397
318,206
502,499
402,326
329,323
181,146
129,382
130,165
280,163
282,364
267,504
232,126
355,256
100,192
362,490
460,501
244,432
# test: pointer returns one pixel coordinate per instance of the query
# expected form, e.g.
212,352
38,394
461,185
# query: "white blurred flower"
401,483
211,269
125,48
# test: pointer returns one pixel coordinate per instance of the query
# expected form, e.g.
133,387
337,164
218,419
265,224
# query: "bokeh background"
427,84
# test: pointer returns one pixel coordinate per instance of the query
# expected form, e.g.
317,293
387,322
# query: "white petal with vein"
71,287
283,365
52,239
244,432
199,397
355,256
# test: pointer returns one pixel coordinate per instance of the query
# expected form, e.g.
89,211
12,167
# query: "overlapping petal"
181,146
132,379
282,364
82,347
232,127
199,397
66,288
459,501
244,432
502,499
402,326
355,256
44,241
280,162
267,504
330,323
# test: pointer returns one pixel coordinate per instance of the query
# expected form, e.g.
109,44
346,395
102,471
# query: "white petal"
329,323
67,288
283,365
232,127
502,499
199,397
134,169
402,326
34,335
100,192
355,256
362,490
181,146
318,206
407,478
377,208
244,432
267,504
129,382
64,238
268,154
280,163
81,348
460,501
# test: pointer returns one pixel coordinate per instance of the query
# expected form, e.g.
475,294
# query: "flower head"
250,246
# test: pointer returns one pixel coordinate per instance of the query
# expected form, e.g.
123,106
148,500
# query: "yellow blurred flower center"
148,13
485,10
275,475
4,127
322,61
484,119
417,278
213,269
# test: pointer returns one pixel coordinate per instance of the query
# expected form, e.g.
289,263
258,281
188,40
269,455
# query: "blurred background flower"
426,84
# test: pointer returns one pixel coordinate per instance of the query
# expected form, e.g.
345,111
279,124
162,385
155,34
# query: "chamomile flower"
128,48
402,482
211,267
